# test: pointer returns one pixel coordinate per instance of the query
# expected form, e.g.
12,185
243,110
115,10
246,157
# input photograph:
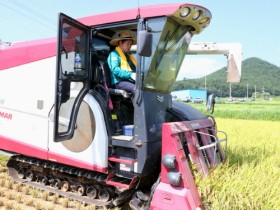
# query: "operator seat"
105,71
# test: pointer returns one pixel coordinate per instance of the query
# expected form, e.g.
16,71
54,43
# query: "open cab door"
73,74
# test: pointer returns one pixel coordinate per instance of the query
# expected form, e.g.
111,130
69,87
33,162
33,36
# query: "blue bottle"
77,64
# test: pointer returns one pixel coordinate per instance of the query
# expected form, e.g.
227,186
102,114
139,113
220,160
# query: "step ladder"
122,182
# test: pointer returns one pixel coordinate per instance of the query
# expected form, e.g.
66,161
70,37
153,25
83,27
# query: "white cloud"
196,67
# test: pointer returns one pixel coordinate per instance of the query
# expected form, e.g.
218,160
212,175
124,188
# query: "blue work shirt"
117,73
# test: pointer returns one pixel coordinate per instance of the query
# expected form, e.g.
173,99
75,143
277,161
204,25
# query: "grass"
251,110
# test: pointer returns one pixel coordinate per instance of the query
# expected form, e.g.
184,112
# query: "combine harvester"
71,133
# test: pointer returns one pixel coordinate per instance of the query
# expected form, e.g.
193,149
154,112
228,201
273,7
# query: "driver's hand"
133,76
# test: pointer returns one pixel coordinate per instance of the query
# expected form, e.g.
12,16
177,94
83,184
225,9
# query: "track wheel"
92,192
80,190
44,180
55,183
64,186
21,173
105,194
29,176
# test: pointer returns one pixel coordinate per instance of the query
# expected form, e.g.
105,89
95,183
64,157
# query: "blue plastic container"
128,130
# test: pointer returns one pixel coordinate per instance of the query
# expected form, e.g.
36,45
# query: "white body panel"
25,128
22,87
27,94
97,153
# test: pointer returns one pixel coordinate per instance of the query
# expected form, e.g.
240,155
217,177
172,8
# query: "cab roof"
131,14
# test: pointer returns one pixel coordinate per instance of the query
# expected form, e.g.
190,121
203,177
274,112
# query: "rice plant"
250,177
8,205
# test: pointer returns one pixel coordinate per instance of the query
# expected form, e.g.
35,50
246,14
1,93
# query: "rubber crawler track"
39,167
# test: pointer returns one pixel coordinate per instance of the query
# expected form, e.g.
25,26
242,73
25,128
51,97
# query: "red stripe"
32,151
22,148
125,161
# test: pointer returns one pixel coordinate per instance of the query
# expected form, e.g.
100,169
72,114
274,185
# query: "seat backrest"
107,79
105,73
96,70
102,73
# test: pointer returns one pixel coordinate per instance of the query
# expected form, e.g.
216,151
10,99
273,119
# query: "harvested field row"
16,196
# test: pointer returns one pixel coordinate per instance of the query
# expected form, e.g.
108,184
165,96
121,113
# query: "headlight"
196,14
203,20
174,177
169,161
185,11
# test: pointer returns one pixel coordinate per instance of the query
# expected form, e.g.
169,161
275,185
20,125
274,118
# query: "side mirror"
210,103
144,43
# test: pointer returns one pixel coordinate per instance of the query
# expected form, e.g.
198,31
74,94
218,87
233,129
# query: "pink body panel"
25,52
130,14
167,197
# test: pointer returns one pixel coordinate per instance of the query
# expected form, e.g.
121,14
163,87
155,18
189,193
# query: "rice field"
249,179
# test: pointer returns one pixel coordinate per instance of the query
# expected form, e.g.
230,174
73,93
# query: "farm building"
189,94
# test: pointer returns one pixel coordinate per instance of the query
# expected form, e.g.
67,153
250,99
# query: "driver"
122,64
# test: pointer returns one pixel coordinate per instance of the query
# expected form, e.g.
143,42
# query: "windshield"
167,58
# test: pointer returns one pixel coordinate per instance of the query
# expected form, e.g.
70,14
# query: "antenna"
138,11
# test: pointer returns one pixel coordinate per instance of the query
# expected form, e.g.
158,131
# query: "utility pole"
205,83
255,92
247,92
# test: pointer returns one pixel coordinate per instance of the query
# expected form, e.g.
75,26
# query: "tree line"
258,76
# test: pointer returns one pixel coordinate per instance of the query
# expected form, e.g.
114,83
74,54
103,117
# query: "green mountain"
256,73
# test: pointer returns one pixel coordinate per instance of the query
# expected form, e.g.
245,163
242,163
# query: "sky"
252,23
